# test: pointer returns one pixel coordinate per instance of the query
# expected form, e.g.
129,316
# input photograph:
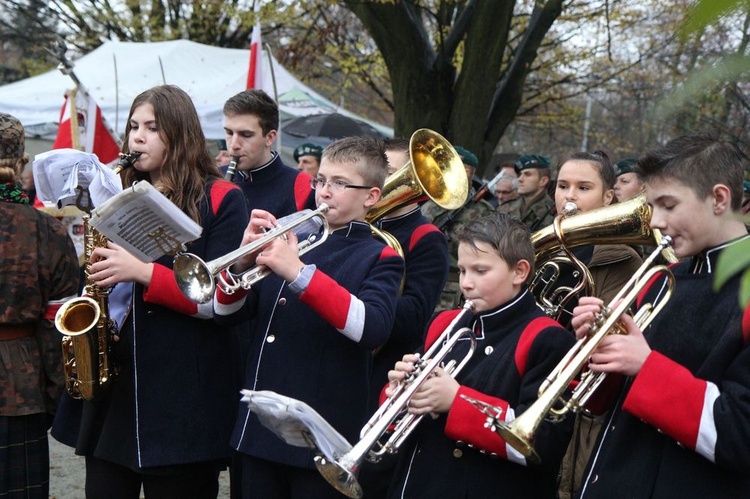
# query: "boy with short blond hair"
679,427
316,320
454,455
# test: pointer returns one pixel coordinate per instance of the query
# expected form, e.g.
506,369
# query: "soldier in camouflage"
38,274
451,221
534,207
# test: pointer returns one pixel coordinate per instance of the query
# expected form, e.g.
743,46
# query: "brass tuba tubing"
342,472
520,432
196,278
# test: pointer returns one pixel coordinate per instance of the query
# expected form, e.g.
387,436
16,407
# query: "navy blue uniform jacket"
297,345
455,455
681,426
174,401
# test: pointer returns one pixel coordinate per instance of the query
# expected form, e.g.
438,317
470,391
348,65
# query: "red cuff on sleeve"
466,422
328,298
667,396
164,291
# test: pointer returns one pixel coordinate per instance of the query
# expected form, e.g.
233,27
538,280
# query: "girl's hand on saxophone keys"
114,264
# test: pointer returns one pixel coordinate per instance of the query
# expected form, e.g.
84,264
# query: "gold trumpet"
342,472
520,432
197,279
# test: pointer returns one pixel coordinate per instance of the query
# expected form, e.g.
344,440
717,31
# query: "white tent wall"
116,72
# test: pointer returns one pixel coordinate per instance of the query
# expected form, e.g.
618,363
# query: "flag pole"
267,49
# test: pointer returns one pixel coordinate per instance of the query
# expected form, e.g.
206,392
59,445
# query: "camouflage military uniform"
39,271
536,214
450,222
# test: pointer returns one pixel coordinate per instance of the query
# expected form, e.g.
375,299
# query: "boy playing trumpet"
454,455
679,427
316,320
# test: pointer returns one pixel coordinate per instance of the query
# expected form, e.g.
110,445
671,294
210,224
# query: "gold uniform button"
271,338
458,453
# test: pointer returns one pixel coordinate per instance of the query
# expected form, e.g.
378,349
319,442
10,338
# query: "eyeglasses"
504,192
335,185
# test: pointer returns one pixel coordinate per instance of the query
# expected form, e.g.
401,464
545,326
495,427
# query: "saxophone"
87,331
84,322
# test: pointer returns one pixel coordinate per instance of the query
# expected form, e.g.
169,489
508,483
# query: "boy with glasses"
316,319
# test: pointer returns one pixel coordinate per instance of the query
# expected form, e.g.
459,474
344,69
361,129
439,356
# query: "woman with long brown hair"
166,422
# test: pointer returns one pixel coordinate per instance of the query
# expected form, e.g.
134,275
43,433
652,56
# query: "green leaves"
706,12
733,260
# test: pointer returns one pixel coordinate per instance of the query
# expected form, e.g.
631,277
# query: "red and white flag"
255,70
83,127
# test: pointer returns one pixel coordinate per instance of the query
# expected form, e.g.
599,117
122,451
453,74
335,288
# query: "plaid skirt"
24,457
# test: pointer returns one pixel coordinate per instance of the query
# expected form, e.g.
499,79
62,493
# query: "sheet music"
59,173
143,221
296,423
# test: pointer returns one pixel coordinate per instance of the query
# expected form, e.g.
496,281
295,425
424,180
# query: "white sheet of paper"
57,174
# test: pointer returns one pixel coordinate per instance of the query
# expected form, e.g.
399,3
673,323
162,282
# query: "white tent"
116,72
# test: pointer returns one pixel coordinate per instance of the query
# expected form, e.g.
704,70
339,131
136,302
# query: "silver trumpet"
342,473
198,280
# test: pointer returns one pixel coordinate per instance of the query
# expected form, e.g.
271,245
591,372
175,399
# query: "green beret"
527,161
307,149
627,165
467,156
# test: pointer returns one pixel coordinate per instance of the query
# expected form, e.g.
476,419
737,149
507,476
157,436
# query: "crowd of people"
343,326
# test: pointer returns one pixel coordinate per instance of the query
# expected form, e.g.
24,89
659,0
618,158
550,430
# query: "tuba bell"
434,171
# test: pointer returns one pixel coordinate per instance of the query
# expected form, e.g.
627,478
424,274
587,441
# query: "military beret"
11,137
627,165
467,156
527,161
307,149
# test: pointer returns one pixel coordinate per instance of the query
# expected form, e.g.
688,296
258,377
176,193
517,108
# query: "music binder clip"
169,245
83,200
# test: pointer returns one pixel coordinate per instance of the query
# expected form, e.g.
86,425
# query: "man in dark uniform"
251,121
534,207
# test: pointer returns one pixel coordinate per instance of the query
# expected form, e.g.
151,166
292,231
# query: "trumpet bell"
435,171
194,278
518,439
341,478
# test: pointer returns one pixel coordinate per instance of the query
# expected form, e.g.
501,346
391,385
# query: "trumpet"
342,472
198,280
520,432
